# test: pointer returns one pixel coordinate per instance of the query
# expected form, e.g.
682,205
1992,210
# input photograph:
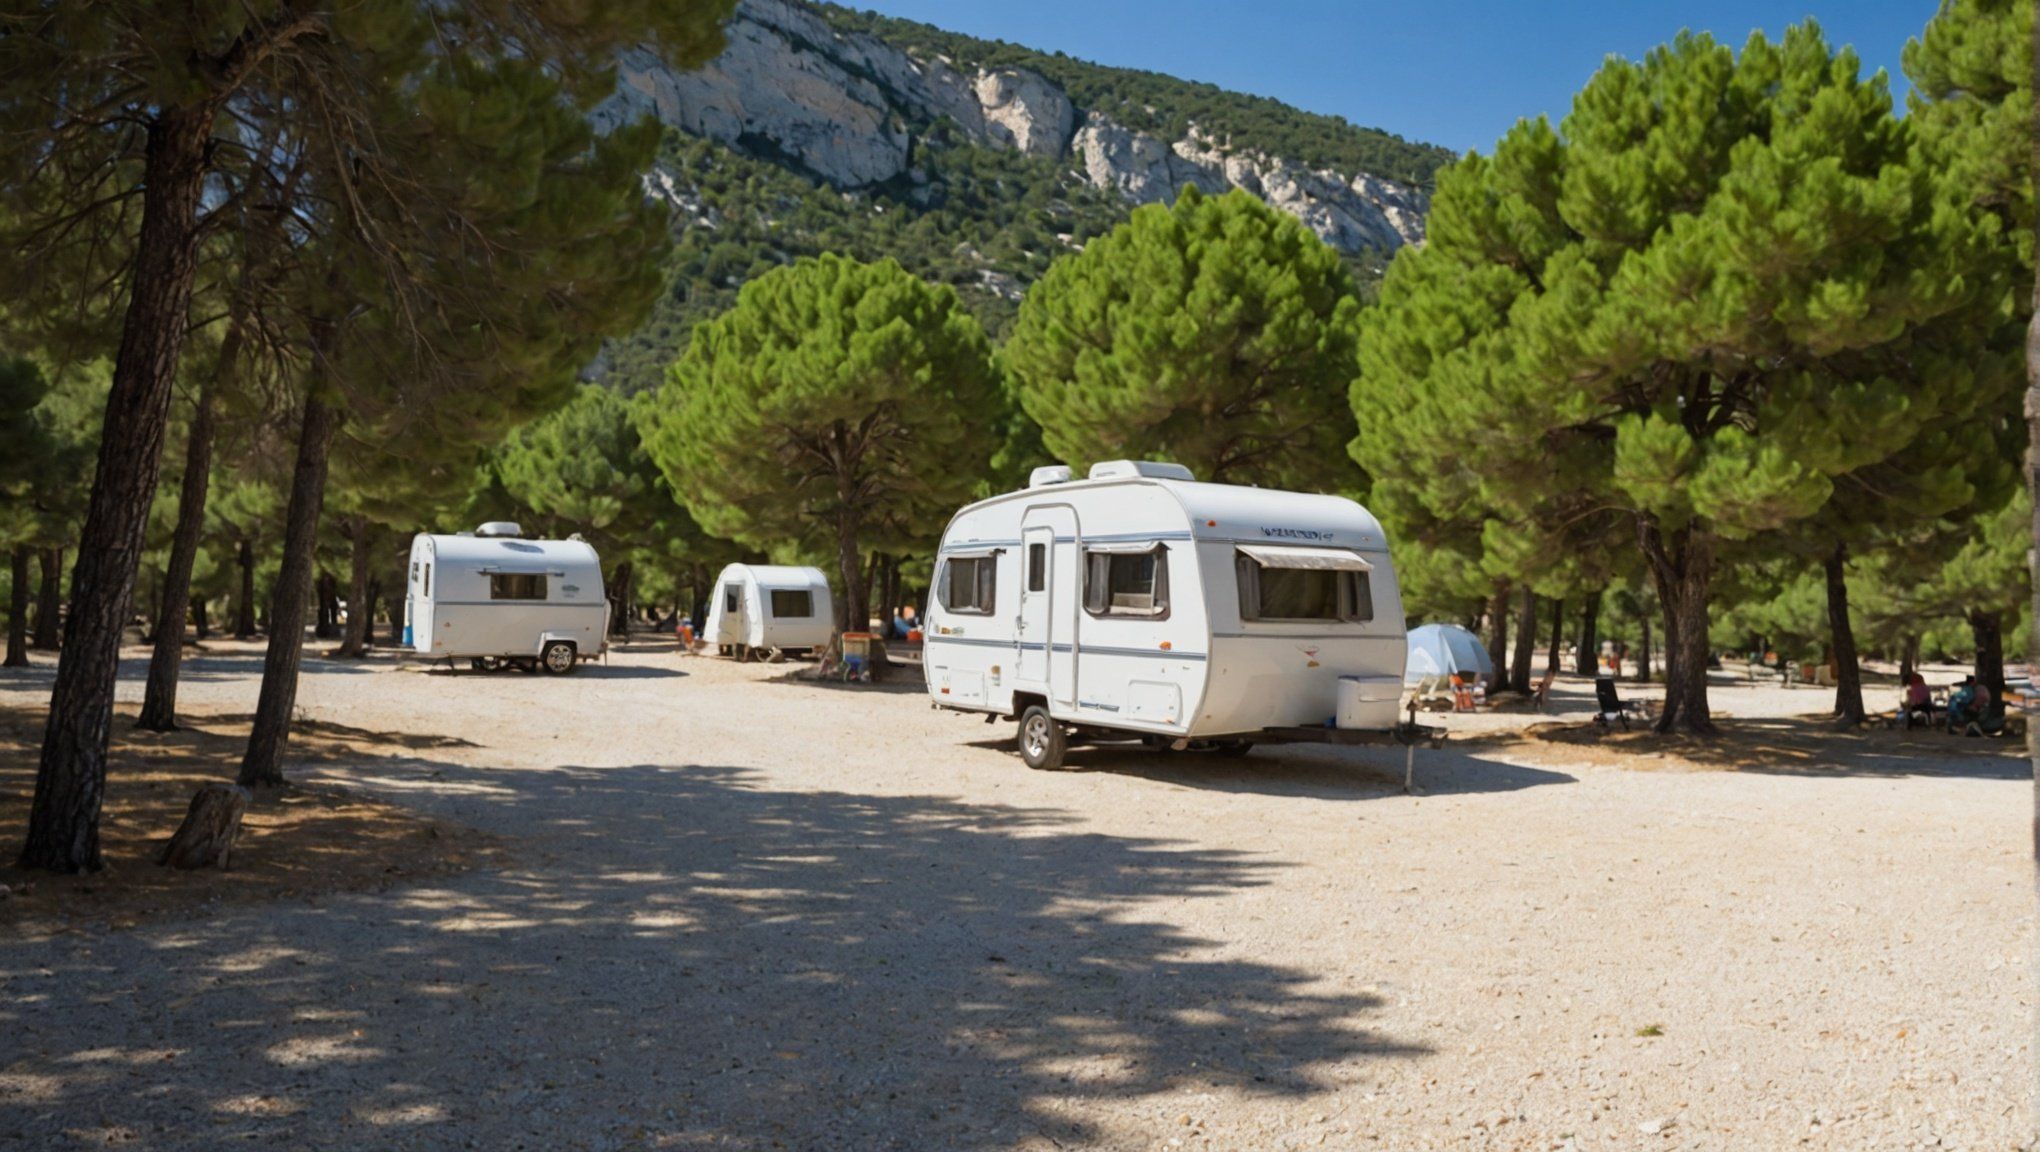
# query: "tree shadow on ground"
1803,746
692,961
584,672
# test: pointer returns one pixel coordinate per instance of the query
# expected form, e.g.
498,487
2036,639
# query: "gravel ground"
747,913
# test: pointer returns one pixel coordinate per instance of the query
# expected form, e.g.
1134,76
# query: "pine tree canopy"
1701,303
833,394
1217,333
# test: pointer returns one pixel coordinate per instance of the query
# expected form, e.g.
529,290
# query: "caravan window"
1303,584
1132,582
792,603
427,590
516,586
732,598
1037,567
970,584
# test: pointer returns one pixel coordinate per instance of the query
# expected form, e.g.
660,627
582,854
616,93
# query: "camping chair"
1611,707
1462,695
1542,695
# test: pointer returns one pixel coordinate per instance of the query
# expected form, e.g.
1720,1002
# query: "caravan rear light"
1166,645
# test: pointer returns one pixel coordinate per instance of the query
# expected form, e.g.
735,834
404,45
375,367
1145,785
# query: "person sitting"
1918,707
1966,704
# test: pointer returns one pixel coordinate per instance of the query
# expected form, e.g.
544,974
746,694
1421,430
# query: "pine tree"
1215,333
838,406
1684,307
113,118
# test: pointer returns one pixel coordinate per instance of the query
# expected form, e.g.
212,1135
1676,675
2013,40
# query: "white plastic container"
1370,702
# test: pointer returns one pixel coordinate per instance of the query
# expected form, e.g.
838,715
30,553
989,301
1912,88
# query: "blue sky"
1452,72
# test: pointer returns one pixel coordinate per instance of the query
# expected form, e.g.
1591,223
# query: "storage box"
1370,702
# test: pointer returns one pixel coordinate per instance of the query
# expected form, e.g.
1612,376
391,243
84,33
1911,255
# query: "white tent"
1437,651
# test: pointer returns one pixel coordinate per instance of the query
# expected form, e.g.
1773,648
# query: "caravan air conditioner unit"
499,528
1151,469
1048,474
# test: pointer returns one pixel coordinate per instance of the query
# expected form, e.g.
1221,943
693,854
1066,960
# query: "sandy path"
748,914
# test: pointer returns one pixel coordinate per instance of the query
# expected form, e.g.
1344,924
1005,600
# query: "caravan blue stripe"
1089,649
968,546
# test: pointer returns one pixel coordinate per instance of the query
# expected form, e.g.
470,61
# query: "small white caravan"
499,600
759,607
1140,603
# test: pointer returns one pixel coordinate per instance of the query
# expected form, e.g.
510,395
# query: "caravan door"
1046,632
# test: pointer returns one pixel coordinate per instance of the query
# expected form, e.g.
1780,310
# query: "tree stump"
207,835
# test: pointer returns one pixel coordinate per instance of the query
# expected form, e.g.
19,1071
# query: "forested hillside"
823,129
1165,106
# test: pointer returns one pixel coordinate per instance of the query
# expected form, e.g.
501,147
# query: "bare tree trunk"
326,606
1908,660
1498,637
1842,638
854,607
63,822
201,624
244,609
1643,654
1590,640
49,599
1988,629
354,637
159,696
620,580
1526,642
1552,658
1682,567
264,762
17,608
372,597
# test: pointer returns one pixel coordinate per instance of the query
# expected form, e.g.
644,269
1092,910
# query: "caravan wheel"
1041,739
557,657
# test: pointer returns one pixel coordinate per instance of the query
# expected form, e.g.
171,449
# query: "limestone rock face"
1025,111
844,108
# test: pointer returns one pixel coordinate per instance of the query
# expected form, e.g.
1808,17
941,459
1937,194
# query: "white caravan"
498,600
759,607
1141,604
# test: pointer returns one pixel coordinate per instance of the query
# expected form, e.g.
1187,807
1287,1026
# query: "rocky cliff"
846,108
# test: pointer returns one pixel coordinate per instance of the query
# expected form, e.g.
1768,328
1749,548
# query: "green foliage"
1703,305
1972,109
838,405
985,222
1166,107
1216,333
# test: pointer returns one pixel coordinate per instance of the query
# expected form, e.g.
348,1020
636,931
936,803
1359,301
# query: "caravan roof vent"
499,528
1048,474
1151,469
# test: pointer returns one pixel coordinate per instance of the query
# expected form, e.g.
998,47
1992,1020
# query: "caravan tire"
1231,749
1041,739
557,657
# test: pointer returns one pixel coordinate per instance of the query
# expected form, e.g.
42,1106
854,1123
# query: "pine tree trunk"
63,823
1682,567
264,762
1908,660
698,612
1988,629
326,607
1526,642
354,636
1590,640
1498,637
159,696
619,599
17,608
372,596
1643,654
1842,639
244,608
2033,554
1552,658
49,599
200,625
854,605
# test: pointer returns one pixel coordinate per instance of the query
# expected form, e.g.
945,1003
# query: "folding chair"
1611,707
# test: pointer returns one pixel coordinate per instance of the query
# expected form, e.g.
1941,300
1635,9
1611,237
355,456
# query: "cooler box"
1372,703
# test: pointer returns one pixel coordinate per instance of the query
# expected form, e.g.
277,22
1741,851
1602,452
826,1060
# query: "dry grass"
295,842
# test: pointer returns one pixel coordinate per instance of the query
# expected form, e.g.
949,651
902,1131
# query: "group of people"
1967,711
